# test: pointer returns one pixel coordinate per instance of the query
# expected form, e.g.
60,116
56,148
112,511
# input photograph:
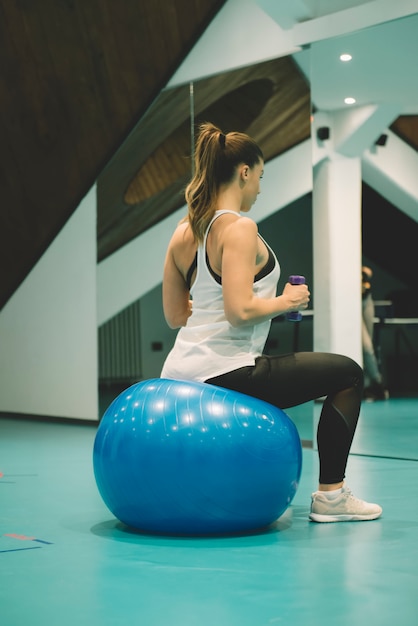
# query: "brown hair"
216,158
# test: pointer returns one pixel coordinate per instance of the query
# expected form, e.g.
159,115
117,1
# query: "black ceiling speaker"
323,133
382,140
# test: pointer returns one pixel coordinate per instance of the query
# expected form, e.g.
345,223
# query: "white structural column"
337,256
337,247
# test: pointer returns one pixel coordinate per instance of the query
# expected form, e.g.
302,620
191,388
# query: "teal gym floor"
65,560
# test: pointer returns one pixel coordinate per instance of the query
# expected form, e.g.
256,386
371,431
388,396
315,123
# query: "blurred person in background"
374,388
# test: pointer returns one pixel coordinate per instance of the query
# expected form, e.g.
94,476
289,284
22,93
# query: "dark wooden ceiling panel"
406,127
76,76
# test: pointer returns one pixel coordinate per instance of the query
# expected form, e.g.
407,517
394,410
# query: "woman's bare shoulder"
242,225
182,235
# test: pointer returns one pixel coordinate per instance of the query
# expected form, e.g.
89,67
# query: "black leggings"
291,379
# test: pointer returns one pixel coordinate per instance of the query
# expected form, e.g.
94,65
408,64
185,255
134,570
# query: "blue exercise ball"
181,457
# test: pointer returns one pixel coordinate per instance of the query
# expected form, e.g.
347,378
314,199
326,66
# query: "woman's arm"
242,307
177,305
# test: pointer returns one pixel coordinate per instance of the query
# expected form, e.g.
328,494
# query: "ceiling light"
345,57
349,100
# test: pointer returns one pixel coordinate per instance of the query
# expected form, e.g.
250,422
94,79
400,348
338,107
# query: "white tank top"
208,345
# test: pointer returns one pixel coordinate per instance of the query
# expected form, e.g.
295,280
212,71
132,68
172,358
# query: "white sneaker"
343,508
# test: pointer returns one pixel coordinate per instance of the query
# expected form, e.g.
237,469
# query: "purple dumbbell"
295,316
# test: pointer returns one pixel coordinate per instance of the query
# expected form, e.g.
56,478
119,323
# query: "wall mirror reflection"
365,107
268,99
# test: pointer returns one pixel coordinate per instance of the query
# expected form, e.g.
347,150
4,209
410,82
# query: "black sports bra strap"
190,271
269,266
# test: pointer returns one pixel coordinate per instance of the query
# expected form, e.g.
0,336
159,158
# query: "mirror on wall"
272,102
365,95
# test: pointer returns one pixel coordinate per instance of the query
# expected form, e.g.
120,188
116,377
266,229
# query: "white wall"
48,329
392,170
241,34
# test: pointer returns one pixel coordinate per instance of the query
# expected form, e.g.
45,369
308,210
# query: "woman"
217,258
374,388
